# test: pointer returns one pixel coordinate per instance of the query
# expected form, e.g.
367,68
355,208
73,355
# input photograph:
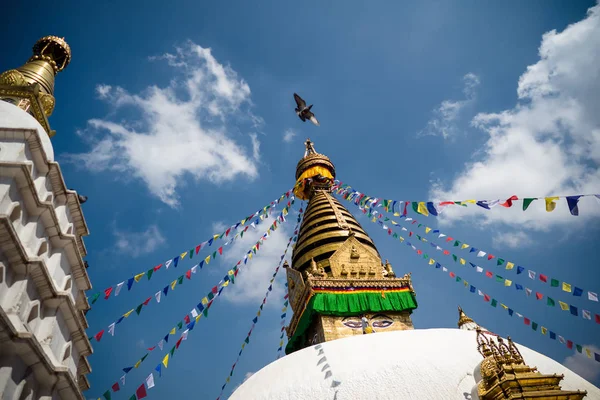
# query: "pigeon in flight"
303,111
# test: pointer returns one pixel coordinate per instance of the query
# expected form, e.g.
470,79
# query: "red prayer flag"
446,252
98,335
227,232
410,234
147,301
286,296
446,203
188,274
486,297
157,267
151,348
186,319
389,231
489,274
543,278
178,342
527,321
215,290
198,248
419,252
538,295
508,202
107,292
449,239
116,387
490,256
414,222
597,318
141,392
452,274
569,344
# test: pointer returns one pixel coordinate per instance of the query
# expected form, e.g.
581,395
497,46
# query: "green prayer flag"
419,237
526,203
205,312
107,395
139,309
456,243
214,255
499,279
220,237
210,296
286,303
172,351
149,273
191,252
458,279
420,225
415,206
242,234
179,324
554,282
494,302
425,256
534,326
395,235
261,306
180,280
454,257
95,297
247,340
143,358
579,349
133,397
550,301
500,261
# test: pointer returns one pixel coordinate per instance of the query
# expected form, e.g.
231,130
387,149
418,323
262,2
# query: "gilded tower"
338,284
31,86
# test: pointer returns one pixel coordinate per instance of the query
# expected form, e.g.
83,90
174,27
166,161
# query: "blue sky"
438,100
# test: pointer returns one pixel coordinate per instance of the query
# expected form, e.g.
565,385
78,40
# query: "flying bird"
303,111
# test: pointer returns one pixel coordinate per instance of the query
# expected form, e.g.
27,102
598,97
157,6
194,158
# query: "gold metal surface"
463,318
31,86
312,158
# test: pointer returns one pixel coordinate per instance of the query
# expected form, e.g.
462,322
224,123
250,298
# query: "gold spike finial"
463,318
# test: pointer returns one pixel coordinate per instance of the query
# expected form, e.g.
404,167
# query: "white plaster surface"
426,364
12,116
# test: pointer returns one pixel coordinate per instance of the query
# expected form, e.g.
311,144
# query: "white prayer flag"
592,296
118,288
444,269
168,263
531,274
150,381
528,291
441,235
479,292
123,380
157,295
194,313
519,315
195,267
481,254
111,329
161,344
586,314
184,334
479,269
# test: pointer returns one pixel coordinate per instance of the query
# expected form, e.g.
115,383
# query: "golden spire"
31,86
464,321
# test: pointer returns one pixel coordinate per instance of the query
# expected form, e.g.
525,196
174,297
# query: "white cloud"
135,244
585,367
443,122
253,280
548,144
511,240
176,130
289,135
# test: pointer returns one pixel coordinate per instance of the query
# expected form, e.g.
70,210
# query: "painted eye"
353,324
382,323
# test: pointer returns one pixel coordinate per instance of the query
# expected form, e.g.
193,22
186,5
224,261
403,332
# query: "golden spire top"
465,322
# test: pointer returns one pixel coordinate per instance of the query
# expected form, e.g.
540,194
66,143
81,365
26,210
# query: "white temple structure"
43,278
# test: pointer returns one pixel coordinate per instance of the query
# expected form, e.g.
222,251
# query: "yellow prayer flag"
374,219
464,246
137,364
396,214
258,313
182,255
166,360
507,282
198,317
281,343
127,313
207,260
173,331
463,261
563,306
504,306
250,256
204,301
510,265
422,209
227,380
427,229
283,309
139,276
243,221
544,330
431,261
215,237
566,287
230,272
470,201
466,283
588,352
401,239
173,284
243,345
225,284
394,223
550,204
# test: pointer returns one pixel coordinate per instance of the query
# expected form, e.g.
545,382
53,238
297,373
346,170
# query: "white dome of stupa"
12,117
425,364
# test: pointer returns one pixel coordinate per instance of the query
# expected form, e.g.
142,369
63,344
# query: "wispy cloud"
289,135
135,244
512,240
445,116
548,144
583,366
176,130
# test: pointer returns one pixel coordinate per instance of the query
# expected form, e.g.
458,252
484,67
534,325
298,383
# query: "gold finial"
463,318
314,172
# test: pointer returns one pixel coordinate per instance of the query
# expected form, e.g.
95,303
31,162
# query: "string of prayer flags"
202,308
566,287
527,321
261,214
264,301
286,302
435,208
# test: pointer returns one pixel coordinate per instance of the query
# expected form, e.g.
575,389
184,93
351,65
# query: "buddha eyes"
353,323
381,323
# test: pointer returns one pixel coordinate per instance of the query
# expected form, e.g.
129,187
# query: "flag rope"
106,293
286,302
202,307
264,301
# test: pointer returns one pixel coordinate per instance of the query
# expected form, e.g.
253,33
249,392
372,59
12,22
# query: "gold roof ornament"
505,375
464,321
31,86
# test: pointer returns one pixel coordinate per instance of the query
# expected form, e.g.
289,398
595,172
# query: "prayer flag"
141,392
550,203
566,287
